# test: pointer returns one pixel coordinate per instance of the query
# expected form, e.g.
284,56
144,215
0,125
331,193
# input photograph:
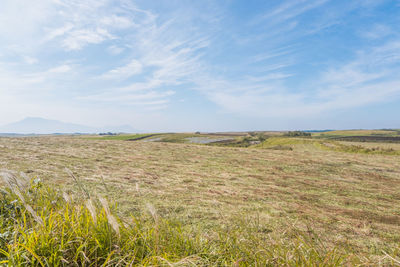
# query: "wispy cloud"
60,69
152,99
164,58
288,10
274,53
77,39
369,78
132,68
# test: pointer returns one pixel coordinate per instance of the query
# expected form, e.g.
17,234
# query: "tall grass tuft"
42,226
111,219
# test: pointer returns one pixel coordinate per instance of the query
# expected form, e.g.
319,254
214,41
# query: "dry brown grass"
350,200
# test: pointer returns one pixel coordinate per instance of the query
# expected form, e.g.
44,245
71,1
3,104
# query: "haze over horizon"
207,66
35,125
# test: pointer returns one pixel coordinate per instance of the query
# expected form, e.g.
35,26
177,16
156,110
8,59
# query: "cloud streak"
370,78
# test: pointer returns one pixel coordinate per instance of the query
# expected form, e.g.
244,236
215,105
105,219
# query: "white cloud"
146,98
74,24
164,57
30,60
118,22
115,50
377,31
17,21
269,77
54,33
288,10
77,39
132,68
60,69
273,54
369,78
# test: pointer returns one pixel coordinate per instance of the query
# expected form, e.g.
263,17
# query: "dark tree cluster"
297,133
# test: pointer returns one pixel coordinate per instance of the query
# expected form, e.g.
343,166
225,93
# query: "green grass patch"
348,133
284,141
123,137
184,138
335,146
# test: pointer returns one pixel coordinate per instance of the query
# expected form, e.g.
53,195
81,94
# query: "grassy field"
350,133
335,197
159,137
122,137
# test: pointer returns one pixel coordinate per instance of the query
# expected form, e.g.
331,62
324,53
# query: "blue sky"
202,65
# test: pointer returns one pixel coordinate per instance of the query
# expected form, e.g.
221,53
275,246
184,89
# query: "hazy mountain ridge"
36,125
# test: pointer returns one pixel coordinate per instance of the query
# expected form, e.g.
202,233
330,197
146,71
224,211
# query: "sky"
184,65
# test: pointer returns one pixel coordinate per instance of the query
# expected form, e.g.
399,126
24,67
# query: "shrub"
262,138
297,133
253,134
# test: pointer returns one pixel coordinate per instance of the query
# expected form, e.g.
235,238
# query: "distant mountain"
33,125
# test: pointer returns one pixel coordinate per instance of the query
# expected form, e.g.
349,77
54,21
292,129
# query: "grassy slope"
284,143
179,137
121,137
357,133
164,137
349,200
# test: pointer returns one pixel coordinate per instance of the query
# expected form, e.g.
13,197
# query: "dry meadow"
349,201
